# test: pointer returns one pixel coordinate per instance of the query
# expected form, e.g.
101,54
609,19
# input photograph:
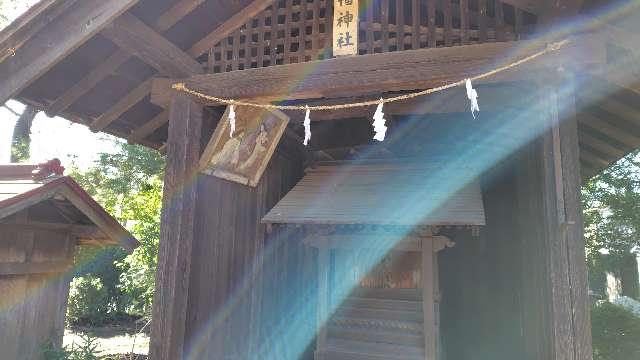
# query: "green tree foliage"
611,204
88,301
616,333
87,349
129,185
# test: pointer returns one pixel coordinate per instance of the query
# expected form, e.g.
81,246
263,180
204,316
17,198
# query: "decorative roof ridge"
45,171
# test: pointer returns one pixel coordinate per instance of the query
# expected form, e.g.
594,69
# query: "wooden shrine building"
44,217
454,238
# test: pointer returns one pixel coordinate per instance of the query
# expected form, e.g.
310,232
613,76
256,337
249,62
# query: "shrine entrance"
378,287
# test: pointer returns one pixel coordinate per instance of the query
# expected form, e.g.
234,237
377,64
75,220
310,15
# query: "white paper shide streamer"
307,127
379,123
472,94
232,120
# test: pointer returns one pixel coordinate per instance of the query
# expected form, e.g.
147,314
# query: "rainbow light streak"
290,333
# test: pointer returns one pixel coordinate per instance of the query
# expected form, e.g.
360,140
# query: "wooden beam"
68,31
126,103
80,120
29,24
106,68
78,231
322,318
573,227
386,72
553,11
531,6
229,26
621,110
131,34
428,298
557,322
17,171
107,225
219,33
48,267
590,155
591,163
601,146
149,127
603,127
113,62
493,98
28,202
176,231
225,29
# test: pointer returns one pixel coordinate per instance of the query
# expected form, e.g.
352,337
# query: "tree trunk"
629,277
21,140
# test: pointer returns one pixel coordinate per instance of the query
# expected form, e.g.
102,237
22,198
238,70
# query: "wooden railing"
293,31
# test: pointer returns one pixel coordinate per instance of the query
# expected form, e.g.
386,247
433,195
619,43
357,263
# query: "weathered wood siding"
32,306
481,285
518,291
243,281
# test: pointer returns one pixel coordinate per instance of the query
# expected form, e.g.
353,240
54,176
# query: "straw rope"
182,87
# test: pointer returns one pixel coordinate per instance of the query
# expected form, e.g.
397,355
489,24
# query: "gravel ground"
112,340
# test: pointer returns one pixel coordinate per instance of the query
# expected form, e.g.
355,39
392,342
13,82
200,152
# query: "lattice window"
294,31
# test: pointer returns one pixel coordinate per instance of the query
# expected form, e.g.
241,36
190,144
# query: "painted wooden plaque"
244,156
345,27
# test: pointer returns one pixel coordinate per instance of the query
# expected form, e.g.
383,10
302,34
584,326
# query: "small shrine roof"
44,186
379,194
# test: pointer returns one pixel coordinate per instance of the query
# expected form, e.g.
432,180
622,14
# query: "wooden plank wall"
518,291
32,307
243,281
480,281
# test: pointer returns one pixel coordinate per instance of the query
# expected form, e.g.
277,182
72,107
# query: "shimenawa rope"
182,87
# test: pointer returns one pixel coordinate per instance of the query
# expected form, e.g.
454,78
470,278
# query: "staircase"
377,329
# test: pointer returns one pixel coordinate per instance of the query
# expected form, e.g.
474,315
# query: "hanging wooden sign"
345,27
243,156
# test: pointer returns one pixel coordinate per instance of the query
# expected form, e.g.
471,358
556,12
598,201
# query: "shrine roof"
380,194
109,53
62,200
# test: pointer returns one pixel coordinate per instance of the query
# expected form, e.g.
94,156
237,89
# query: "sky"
50,137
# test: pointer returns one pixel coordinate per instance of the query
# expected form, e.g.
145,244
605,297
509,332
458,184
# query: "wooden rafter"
552,11
29,24
165,22
621,110
229,26
602,146
47,267
137,38
603,127
531,6
126,103
68,31
386,72
149,127
593,157
131,34
226,28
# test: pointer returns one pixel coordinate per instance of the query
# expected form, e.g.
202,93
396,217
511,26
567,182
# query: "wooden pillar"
556,321
573,228
428,293
176,230
323,300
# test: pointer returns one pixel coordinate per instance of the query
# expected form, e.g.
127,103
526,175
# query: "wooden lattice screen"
294,31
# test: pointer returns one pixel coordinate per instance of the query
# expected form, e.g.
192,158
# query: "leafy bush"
87,350
616,333
88,301
128,184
